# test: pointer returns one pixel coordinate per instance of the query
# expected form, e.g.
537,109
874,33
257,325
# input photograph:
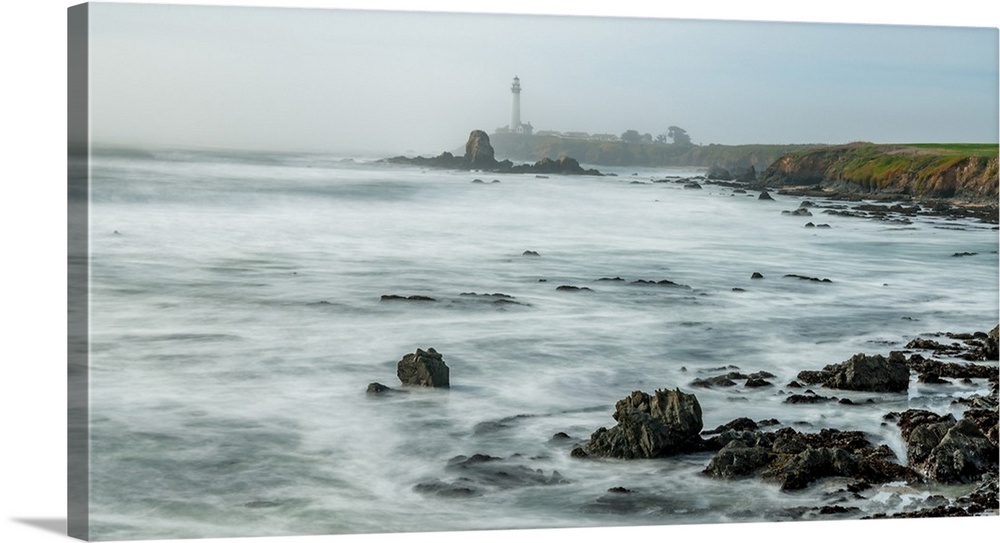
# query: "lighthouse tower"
515,105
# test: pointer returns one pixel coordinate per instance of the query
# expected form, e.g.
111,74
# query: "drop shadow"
54,525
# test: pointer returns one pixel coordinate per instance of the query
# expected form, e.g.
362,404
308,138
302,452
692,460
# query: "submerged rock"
650,426
482,473
423,368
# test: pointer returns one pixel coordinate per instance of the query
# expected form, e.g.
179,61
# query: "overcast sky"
406,82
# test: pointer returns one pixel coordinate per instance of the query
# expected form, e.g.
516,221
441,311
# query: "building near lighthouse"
516,126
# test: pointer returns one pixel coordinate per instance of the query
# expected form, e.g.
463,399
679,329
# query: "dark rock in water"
983,500
864,373
560,437
796,459
611,279
741,424
932,378
810,225
423,368
964,254
799,212
650,426
757,382
951,453
974,347
692,185
415,298
928,369
447,490
823,225
756,275
480,155
807,398
477,180
813,464
623,501
807,278
661,283
717,381
478,151
481,473
379,388
529,253
571,288
737,459
764,196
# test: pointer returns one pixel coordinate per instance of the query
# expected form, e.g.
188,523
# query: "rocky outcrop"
899,171
864,373
423,369
945,450
479,155
649,426
478,151
795,459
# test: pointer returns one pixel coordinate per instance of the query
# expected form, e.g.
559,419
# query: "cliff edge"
964,174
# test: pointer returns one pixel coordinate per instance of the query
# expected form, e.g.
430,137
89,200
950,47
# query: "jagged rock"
737,459
764,196
796,459
757,275
650,426
864,373
423,368
961,452
479,153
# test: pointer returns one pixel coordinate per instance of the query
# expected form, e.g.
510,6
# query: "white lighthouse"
515,110
515,105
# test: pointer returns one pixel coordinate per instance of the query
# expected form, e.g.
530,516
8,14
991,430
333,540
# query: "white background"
33,296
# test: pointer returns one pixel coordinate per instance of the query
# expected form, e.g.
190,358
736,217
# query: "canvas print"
382,272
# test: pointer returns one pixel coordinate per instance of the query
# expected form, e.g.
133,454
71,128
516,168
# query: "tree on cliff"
631,136
679,135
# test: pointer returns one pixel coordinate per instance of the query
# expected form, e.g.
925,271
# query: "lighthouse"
515,110
515,105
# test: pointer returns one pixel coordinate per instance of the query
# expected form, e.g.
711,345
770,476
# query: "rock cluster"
864,373
480,155
796,459
649,426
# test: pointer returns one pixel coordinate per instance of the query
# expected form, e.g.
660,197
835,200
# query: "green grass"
982,149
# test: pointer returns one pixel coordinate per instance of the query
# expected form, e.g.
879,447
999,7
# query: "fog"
384,82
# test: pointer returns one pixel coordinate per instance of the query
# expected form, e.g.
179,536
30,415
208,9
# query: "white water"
236,321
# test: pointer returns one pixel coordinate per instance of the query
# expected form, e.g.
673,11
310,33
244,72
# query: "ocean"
237,317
